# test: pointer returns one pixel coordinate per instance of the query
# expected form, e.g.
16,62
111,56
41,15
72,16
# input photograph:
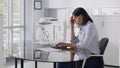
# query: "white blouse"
87,41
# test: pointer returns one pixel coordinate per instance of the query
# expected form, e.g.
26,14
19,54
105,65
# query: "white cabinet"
108,26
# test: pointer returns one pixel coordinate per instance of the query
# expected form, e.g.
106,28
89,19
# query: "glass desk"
48,55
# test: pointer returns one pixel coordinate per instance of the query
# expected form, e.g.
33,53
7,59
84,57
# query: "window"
13,20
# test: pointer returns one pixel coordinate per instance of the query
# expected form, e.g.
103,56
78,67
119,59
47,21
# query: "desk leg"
35,64
22,63
54,65
15,62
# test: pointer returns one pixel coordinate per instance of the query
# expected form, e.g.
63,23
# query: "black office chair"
102,45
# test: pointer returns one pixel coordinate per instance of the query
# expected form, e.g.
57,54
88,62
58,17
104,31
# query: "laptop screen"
48,37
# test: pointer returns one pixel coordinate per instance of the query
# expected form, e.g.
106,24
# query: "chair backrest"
102,45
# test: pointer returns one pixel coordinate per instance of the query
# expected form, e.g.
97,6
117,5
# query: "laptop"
51,43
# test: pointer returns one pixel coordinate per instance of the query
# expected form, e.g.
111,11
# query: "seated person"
85,43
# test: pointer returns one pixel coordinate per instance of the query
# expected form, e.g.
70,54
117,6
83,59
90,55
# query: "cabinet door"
111,30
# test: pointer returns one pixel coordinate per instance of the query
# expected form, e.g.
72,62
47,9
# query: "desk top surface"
48,54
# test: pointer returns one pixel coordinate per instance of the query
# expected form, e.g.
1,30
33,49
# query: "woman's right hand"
72,20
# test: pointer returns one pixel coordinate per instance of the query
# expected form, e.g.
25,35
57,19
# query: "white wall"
29,26
56,3
82,3
32,17
1,42
108,26
94,3
111,30
36,16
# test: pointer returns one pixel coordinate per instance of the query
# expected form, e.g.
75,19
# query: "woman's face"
78,20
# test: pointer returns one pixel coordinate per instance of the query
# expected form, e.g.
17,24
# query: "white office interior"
105,13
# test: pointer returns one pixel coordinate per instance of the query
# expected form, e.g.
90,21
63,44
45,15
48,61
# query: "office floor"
30,64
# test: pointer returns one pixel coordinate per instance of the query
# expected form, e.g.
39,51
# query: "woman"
85,43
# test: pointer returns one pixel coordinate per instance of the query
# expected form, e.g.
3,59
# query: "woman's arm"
72,37
72,28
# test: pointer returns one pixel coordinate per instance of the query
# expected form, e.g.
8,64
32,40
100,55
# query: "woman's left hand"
62,44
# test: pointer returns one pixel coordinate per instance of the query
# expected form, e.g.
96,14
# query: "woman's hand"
67,46
62,45
72,20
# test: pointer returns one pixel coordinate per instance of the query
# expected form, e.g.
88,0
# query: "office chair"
102,45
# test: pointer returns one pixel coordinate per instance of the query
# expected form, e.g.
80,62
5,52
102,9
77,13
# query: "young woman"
85,43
